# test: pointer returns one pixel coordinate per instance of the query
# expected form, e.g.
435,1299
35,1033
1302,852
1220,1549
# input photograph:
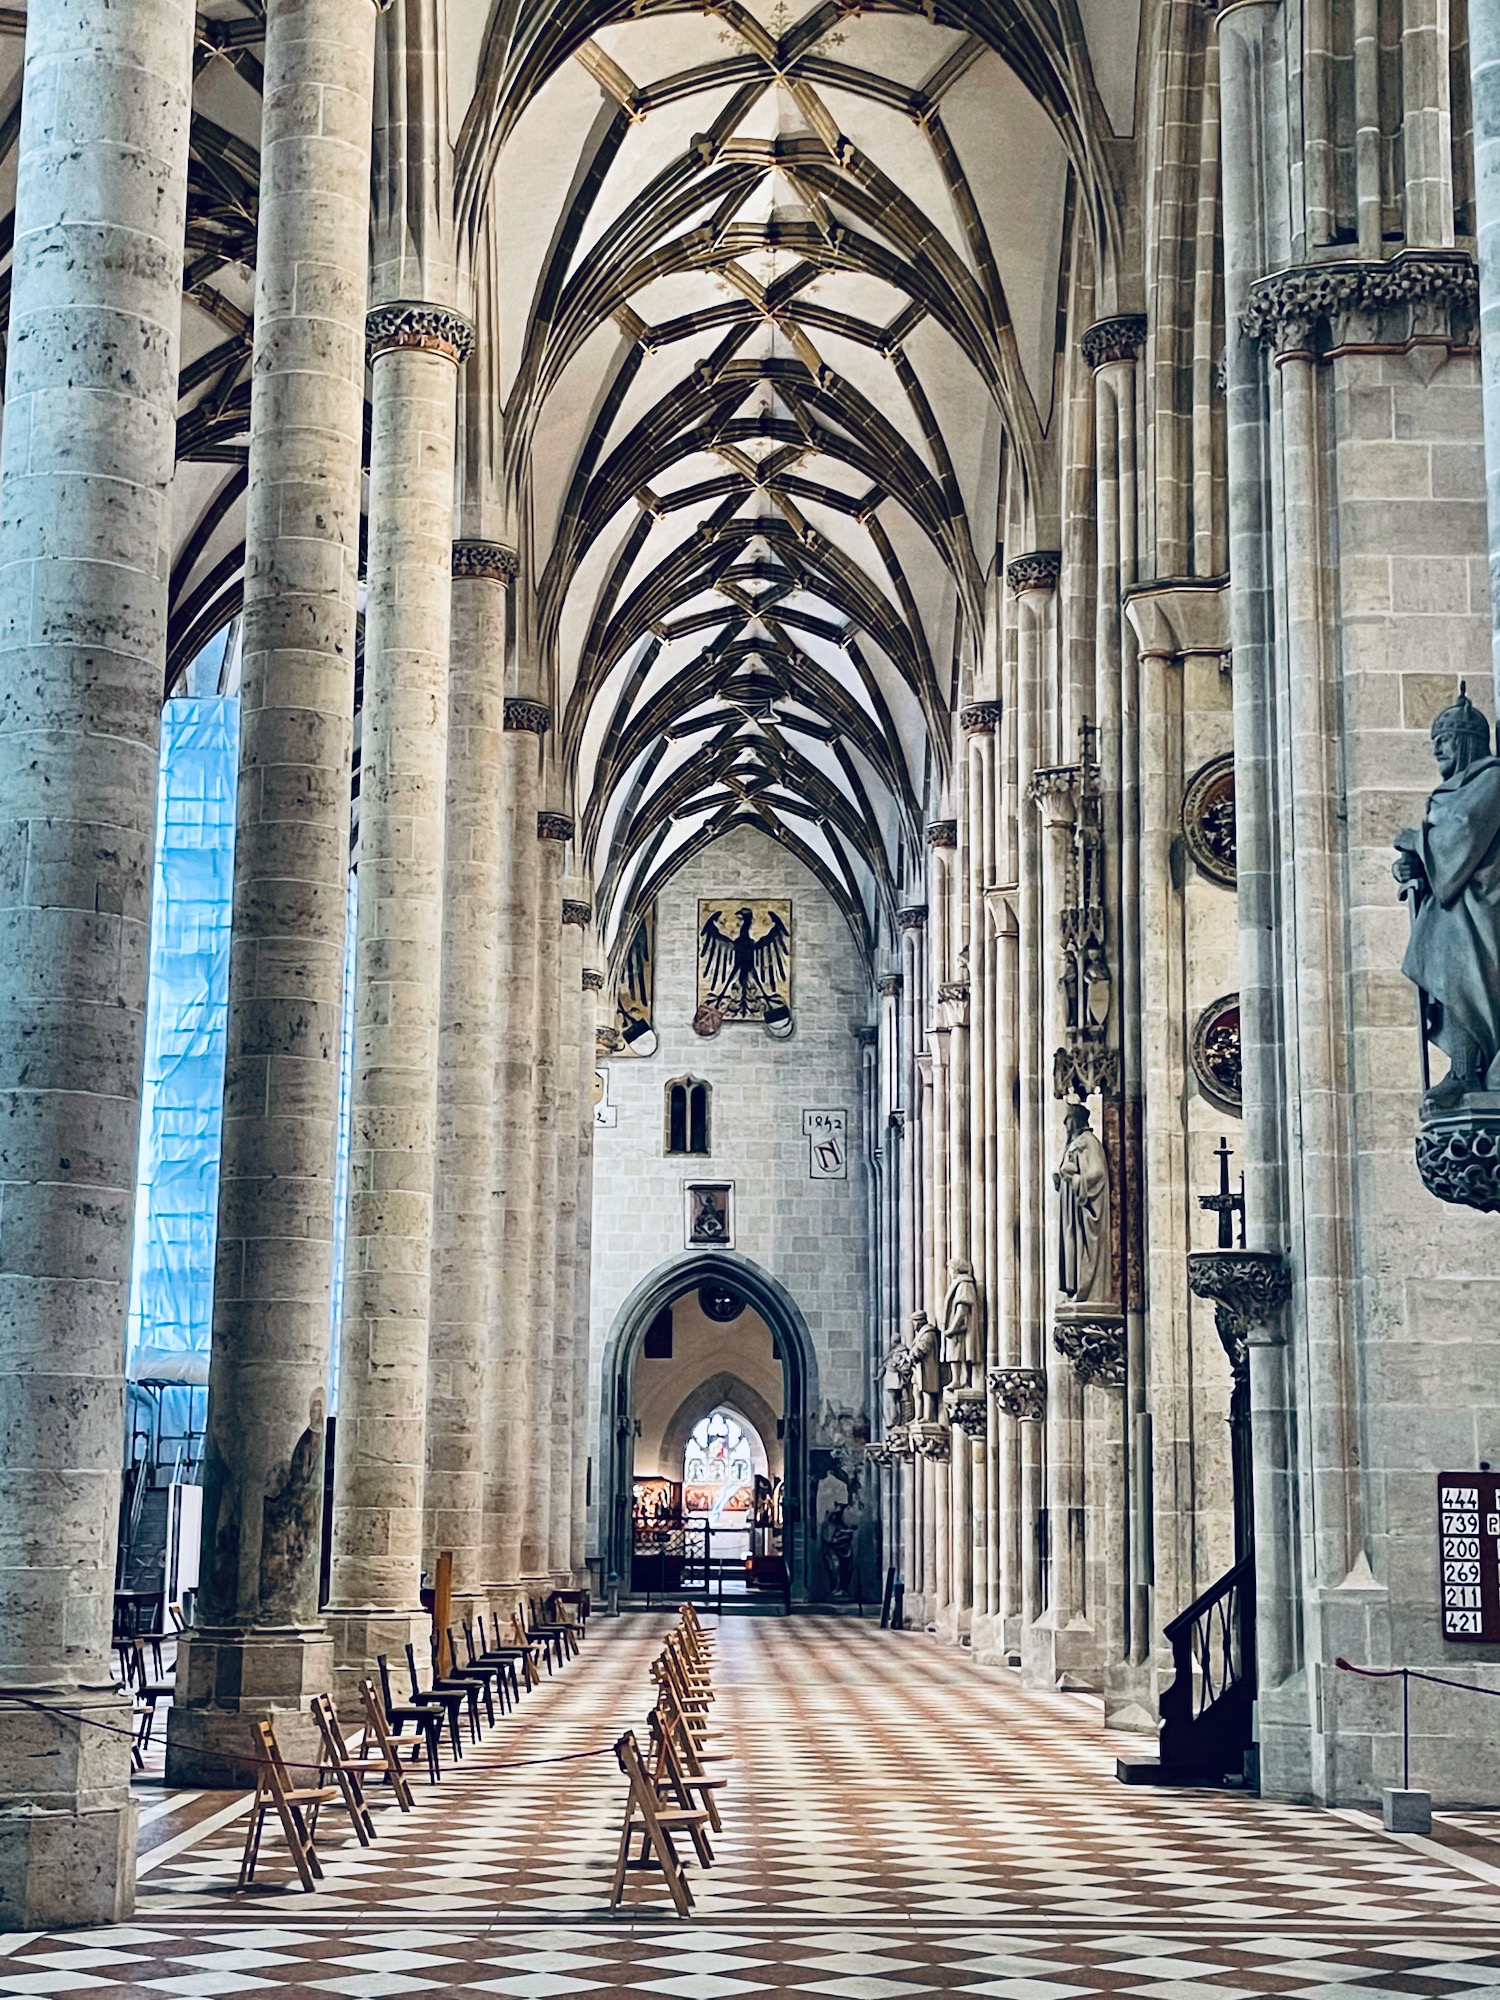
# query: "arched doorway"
730,1309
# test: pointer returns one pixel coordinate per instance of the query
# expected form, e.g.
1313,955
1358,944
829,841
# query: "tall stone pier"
259,1648
85,522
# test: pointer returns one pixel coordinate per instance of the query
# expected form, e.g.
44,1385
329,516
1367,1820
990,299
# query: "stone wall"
810,1236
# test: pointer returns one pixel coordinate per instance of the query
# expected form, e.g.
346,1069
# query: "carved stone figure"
896,1388
1082,1181
926,1367
1452,863
961,1325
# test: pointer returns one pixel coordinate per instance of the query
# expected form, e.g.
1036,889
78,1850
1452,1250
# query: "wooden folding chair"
343,1770
377,1731
538,1642
673,1778
501,1664
426,1719
482,1678
274,1790
561,1630
644,1816
451,1701
517,1651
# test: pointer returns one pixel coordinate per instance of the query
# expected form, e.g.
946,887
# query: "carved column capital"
889,984
533,716
578,913
1119,338
593,981
412,324
1037,571
1093,1340
491,561
1248,1289
1020,1392
912,918
981,718
553,826
942,833
1416,298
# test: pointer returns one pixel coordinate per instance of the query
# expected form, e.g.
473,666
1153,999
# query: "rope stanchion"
1406,1675
288,1763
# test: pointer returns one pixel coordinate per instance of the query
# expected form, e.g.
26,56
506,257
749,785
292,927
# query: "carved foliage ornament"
1208,820
930,1440
968,1414
532,716
1458,1157
408,323
488,560
1216,1054
912,918
1248,1288
553,826
1429,296
942,833
573,912
1019,1392
981,717
1037,571
593,981
1117,339
1094,1346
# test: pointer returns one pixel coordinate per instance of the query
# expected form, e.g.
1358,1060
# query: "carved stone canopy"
1248,1288
1458,1152
409,323
1416,298
1116,339
1020,1392
533,716
1093,1340
488,560
966,1412
553,826
1037,571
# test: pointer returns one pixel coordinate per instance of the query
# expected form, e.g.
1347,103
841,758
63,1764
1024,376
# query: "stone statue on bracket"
1082,1183
960,1327
895,1383
926,1368
1451,866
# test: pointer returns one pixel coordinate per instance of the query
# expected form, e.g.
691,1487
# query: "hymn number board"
1469,1553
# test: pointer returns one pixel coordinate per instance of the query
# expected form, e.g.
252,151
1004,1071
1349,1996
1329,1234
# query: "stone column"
508,1439
591,985
553,831
1484,72
569,1273
415,352
85,531
259,1649
466,1211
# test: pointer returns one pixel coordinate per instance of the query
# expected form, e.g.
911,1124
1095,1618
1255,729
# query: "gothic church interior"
749,850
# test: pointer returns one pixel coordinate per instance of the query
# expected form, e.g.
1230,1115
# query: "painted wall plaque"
745,959
827,1145
709,1219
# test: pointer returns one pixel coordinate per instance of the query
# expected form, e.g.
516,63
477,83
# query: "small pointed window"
687,1116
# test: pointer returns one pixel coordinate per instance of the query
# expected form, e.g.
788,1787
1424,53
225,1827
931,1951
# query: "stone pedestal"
85,518
230,1678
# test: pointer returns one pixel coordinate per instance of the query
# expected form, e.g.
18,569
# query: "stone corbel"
1053,789
953,1003
1176,617
1000,906
1020,1393
881,1452
1418,299
932,1441
1248,1288
1092,1339
966,1412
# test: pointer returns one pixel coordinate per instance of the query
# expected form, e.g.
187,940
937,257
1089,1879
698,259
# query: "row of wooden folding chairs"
339,1780
672,1794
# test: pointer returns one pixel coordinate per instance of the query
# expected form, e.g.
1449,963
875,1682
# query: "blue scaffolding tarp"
171,1289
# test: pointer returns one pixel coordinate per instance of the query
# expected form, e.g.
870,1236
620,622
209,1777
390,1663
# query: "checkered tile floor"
897,1823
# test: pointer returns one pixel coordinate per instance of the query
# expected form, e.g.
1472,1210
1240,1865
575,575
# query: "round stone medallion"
1216,1053
1208,820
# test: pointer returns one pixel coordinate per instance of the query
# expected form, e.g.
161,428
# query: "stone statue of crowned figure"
1450,867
